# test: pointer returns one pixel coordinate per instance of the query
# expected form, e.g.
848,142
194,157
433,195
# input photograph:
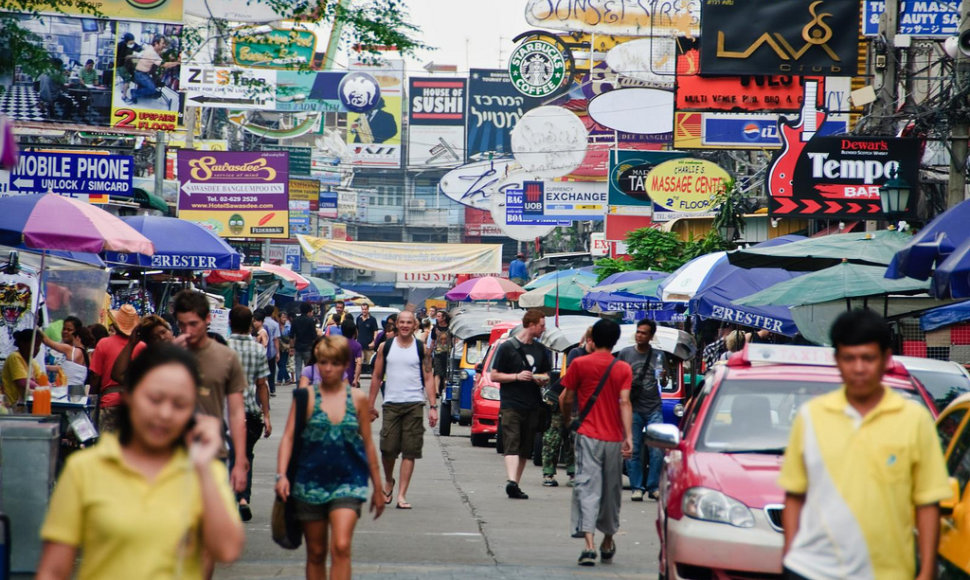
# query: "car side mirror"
478,368
948,505
663,435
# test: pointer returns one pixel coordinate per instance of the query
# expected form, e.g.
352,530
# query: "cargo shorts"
402,432
519,431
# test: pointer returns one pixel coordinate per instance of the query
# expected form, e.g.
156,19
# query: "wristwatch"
279,476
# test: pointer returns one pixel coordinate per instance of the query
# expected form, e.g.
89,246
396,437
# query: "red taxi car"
719,513
485,394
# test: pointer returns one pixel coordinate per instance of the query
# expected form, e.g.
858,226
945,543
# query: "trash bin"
28,464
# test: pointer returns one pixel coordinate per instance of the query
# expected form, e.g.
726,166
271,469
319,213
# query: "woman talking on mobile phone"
147,502
336,458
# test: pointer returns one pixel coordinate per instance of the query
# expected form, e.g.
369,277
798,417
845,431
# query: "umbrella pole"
33,335
557,301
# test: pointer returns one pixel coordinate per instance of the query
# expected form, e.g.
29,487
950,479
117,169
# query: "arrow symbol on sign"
854,207
188,189
834,206
811,206
22,183
225,101
786,205
874,208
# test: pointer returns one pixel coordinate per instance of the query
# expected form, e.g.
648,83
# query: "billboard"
235,193
932,18
618,18
839,177
110,74
436,115
628,180
820,37
73,174
494,107
277,48
142,10
684,187
307,190
713,130
572,200
374,136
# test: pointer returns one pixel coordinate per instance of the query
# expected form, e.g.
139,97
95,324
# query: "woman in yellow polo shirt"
16,379
147,502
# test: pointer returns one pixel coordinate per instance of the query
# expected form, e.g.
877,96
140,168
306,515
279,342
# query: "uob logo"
532,202
817,33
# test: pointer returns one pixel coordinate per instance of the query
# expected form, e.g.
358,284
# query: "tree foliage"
654,249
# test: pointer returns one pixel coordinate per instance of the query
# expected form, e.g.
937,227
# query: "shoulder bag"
287,532
578,421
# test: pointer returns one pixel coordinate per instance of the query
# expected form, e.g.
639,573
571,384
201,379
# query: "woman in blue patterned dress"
336,458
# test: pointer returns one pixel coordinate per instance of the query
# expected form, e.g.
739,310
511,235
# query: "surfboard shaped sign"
639,111
249,10
473,184
651,60
669,18
549,142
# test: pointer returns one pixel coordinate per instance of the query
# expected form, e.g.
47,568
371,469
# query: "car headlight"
713,506
491,393
679,410
463,375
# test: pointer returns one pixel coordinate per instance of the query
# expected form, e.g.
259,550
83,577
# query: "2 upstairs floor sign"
70,174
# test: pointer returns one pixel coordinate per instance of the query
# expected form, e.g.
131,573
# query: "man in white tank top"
408,383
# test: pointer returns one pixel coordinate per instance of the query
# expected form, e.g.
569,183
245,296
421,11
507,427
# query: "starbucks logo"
537,68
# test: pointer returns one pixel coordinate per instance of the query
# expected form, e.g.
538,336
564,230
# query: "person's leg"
527,438
254,430
412,443
656,456
388,462
282,376
608,519
407,470
390,444
634,465
315,538
570,454
588,488
511,425
551,443
342,523
146,86
271,379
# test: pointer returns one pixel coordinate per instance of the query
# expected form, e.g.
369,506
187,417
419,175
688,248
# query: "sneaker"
655,496
637,495
587,558
607,555
514,492
550,481
572,481
245,512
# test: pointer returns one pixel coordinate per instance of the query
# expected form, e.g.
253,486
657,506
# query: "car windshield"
475,350
943,387
755,416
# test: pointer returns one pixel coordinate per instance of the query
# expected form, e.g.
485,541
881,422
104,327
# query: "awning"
149,201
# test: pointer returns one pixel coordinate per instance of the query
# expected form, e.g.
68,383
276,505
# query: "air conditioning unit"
391,219
418,204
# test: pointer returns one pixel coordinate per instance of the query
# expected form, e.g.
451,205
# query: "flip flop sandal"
403,505
389,495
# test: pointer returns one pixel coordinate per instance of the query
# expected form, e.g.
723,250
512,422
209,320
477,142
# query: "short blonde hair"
334,348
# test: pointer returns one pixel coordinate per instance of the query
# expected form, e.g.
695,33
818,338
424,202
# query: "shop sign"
140,10
436,133
574,200
684,185
617,17
629,171
224,87
424,280
70,174
713,130
277,48
538,68
796,38
933,18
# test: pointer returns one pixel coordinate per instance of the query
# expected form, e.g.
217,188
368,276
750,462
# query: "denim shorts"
312,512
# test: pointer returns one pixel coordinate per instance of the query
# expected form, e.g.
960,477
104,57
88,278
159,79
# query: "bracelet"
279,476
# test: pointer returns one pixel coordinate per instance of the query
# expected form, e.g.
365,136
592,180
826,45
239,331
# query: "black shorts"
312,512
440,364
519,431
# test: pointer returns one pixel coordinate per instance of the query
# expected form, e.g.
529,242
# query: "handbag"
578,421
287,532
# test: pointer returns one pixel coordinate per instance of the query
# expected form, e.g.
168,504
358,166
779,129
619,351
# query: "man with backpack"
404,365
521,367
604,435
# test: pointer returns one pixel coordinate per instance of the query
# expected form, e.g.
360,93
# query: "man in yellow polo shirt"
863,468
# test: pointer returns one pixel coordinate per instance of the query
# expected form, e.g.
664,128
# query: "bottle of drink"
42,401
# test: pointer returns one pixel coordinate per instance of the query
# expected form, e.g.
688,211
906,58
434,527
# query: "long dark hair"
154,356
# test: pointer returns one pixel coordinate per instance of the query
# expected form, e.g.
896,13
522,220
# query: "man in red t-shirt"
103,360
603,440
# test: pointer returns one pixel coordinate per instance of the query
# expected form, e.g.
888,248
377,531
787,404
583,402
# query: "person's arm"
928,535
503,377
567,400
430,389
262,395
284,453
376,378
358,367
362,404
120,368
222,533
626,415
60,347
56,561
276,344
237,431
792,513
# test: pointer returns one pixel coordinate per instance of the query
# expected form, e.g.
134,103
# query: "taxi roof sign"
785,354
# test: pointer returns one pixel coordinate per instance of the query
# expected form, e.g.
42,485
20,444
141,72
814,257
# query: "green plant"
653,249
729,214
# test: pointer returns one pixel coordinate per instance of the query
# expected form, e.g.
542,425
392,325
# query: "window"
958,463
696,403
948,427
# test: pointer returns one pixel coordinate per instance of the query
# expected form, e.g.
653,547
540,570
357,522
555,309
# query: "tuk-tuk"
471,328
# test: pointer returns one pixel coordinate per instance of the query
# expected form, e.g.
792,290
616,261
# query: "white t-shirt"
402,382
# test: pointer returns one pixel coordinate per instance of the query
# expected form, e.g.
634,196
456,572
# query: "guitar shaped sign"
794,137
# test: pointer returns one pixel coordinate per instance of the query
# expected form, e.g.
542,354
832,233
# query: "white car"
944,380
380,313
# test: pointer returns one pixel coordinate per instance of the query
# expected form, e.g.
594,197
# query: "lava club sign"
841,176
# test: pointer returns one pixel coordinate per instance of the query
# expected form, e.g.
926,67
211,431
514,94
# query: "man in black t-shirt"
366,331
304,332
521,367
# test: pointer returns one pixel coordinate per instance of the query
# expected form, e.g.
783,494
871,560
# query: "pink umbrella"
282,272
485,288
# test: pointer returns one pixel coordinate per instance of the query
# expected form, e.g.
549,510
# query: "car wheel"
444,419
479,439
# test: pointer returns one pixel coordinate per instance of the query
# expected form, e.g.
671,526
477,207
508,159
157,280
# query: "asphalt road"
462,524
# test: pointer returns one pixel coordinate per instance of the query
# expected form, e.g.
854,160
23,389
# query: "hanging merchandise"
140,298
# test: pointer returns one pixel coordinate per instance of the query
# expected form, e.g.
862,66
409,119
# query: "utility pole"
886,68
956,186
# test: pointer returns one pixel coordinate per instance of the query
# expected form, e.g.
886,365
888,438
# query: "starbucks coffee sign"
538,68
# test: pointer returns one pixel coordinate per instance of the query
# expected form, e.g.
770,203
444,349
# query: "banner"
840,177
374,136
820,37
235,193
494,107
436,115
405,258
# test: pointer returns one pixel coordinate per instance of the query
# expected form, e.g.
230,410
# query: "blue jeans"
634,465
146,86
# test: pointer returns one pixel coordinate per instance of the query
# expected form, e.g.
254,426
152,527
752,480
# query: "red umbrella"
485,288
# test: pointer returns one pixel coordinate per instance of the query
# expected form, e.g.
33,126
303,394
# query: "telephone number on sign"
233,198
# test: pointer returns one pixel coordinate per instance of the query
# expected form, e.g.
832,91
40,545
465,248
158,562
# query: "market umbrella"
584,274
281,272
684,282
868,248
631,276
631,295
324,288
565,295
485,288
179,245
845,280
952,277
55,222
353,297
932,244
